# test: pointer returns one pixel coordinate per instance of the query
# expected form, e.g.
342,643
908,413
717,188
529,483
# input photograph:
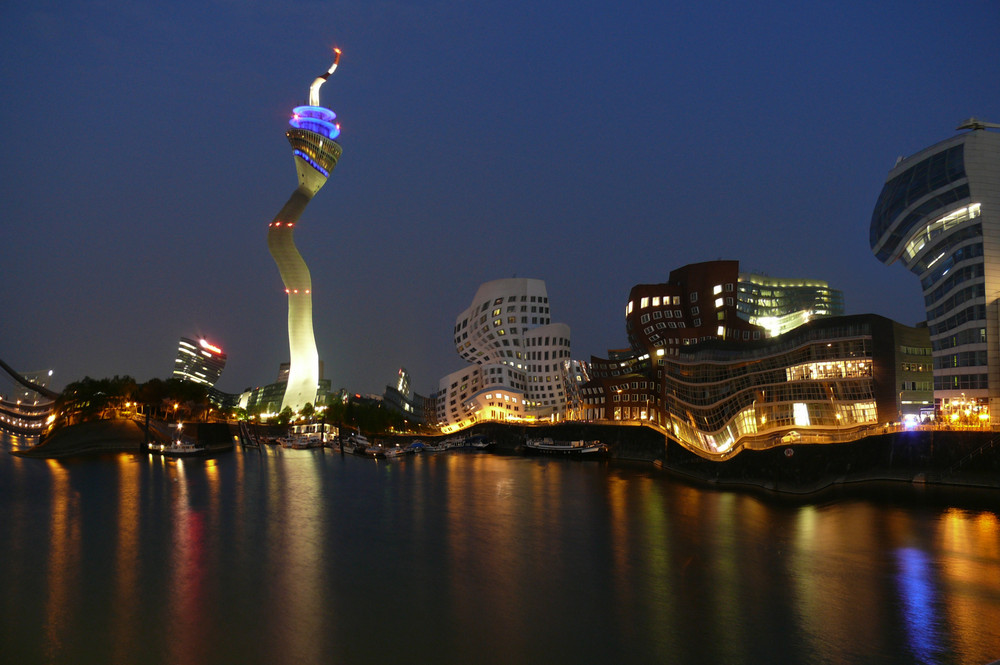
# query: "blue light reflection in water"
919,603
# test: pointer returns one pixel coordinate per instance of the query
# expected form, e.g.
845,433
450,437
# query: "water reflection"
126,611
306,556
919,602
63,566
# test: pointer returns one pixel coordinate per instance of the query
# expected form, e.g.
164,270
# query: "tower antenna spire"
321,79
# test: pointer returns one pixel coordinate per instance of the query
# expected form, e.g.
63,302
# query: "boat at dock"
179,446
578,448
310,435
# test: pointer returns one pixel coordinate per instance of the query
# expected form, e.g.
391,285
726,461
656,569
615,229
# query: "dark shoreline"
919,458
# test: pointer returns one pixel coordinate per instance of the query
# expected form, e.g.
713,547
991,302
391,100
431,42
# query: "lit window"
644,303
628,310
717,289
722,331
656,301
718,302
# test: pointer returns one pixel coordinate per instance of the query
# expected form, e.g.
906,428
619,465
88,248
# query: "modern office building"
782,304
723,361
520,359
939,216
315,150
199,361
832,379
401,399
714,300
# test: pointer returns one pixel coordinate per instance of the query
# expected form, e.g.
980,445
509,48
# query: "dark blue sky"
594,145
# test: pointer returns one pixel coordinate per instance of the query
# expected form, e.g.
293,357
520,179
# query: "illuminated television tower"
313,136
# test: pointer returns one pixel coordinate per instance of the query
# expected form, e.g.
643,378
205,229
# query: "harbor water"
308,556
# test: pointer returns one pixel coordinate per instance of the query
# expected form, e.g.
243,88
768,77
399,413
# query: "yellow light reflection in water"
64,560
486,541
295,558
125,609
825,575
971,544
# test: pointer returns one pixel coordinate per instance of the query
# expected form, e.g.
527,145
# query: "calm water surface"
309,557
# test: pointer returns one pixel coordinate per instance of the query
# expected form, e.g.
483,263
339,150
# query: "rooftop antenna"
975,123
321,79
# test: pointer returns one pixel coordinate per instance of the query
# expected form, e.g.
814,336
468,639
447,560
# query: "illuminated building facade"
714,300
401,398
315,150
199,361
520,360
832,379
26,403
703,367
780,304
939,216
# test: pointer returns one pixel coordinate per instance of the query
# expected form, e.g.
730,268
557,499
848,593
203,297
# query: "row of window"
961,382
933,257
961,338
962,359
974,313
964,274
965,295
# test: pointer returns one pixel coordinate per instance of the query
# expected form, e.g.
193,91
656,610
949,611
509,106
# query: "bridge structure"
28,408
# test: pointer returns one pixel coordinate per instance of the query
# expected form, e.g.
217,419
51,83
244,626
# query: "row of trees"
173,399
95,399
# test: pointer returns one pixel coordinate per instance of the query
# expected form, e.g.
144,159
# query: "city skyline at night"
594,148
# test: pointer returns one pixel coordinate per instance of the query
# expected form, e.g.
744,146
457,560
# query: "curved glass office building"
939,214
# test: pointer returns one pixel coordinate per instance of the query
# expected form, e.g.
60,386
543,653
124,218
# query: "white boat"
310,435
179,446
578,448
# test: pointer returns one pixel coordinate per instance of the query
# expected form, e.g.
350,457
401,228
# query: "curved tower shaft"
315,150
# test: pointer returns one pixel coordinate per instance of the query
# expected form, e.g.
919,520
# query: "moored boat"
578,448
179,446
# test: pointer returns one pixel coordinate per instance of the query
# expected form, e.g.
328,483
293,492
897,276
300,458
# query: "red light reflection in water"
188,629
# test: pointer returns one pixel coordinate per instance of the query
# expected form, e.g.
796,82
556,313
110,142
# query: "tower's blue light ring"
309,160
315,119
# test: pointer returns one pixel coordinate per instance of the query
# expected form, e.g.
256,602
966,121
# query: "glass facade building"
939,216
199,361
832,379
782,304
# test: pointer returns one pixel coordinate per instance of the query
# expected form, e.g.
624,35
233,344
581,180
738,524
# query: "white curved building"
520,359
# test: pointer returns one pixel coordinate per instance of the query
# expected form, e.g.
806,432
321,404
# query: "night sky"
594,145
